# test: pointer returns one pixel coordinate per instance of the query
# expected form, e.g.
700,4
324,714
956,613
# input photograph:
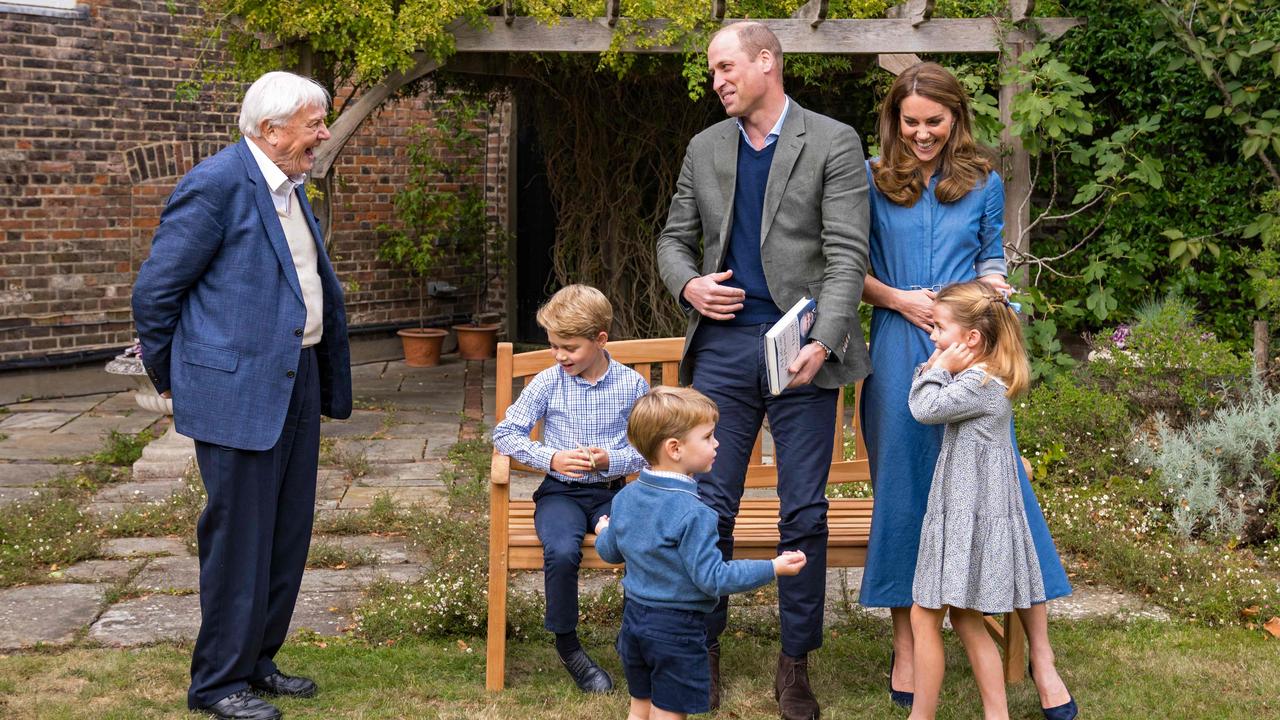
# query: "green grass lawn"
1135,670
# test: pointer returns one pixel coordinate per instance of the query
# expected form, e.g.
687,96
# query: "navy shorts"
664,657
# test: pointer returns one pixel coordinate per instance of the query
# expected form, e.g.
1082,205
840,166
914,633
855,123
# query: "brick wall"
92,141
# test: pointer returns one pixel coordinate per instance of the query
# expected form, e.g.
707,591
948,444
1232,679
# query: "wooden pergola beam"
832,37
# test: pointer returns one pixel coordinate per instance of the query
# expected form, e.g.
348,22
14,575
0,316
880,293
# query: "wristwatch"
824,347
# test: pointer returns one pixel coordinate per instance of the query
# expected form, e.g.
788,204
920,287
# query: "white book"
783,341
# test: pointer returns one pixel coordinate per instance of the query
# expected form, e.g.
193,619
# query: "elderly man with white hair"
242,323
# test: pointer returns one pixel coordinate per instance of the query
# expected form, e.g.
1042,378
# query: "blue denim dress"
927,245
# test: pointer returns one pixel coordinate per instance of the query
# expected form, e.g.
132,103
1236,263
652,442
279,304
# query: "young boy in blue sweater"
583,402
675,572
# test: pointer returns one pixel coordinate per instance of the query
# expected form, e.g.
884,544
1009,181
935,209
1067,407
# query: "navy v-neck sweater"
743,255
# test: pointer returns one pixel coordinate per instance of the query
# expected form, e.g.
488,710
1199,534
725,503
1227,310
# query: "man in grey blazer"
770,206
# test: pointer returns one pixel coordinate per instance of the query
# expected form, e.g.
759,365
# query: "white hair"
276,97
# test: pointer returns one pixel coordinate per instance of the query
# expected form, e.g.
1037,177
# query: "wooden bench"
514,545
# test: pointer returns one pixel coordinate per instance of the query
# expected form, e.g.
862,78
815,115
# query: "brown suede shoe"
713,658
791,689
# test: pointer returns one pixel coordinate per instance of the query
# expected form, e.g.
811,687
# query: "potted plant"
476,238
443,213
424,213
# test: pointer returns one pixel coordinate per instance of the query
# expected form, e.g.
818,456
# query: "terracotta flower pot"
477,342
421,346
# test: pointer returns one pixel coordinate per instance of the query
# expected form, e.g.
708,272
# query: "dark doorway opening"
535,231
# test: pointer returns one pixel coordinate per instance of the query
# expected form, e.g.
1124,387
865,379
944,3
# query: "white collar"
280,185
775,132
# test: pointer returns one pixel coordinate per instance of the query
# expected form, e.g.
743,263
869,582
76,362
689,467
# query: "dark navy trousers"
253,538
563,513
729,367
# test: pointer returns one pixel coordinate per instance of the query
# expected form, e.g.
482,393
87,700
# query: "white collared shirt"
774,134
281,185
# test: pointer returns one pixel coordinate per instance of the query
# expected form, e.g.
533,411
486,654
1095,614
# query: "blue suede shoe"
902,699
1066,711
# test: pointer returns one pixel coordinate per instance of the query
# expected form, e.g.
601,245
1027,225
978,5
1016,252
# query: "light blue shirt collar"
774,133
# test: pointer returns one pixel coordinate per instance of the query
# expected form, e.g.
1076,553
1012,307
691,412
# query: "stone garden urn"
168,456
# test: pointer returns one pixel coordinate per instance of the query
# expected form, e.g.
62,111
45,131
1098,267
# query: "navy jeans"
729,367
562,515
253,538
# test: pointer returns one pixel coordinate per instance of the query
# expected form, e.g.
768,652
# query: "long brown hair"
975,306
960,164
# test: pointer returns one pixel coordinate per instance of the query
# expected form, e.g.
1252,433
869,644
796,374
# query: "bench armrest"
500,469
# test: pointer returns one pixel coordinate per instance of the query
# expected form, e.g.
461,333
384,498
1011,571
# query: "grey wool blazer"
813,234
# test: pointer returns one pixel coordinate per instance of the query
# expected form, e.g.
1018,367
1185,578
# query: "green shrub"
1118,530
42,532
1166,363
1220,473
1068,423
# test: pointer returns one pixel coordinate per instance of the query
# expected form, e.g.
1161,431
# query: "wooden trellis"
910,28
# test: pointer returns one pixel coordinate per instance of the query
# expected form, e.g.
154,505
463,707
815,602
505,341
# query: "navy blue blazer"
220,313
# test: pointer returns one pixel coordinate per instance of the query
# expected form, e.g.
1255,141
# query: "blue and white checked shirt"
574,412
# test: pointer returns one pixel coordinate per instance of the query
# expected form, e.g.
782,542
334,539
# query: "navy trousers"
253,538
562,515
729,367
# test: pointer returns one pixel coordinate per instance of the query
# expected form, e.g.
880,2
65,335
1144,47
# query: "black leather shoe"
277,683
242,705
586,674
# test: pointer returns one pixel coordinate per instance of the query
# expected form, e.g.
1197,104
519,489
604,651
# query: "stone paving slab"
331,483
170,574
29,421
10,495
325,613
152,491
144,547
390,550
384,451
148,619
361,423
72,405
1088,601
119,404
358,498
422,473
19,474
326,580
46,446
437,433
100,425
50,614
97,571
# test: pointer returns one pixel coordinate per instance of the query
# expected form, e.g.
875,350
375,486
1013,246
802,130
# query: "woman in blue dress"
936,218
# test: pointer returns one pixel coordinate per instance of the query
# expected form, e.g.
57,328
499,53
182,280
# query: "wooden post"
1261,346
1015,649
1015,169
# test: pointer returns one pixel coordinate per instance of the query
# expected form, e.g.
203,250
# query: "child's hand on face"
602,523
932,358
955,358
790,562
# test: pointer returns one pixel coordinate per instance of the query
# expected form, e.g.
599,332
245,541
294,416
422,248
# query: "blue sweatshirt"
667,537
